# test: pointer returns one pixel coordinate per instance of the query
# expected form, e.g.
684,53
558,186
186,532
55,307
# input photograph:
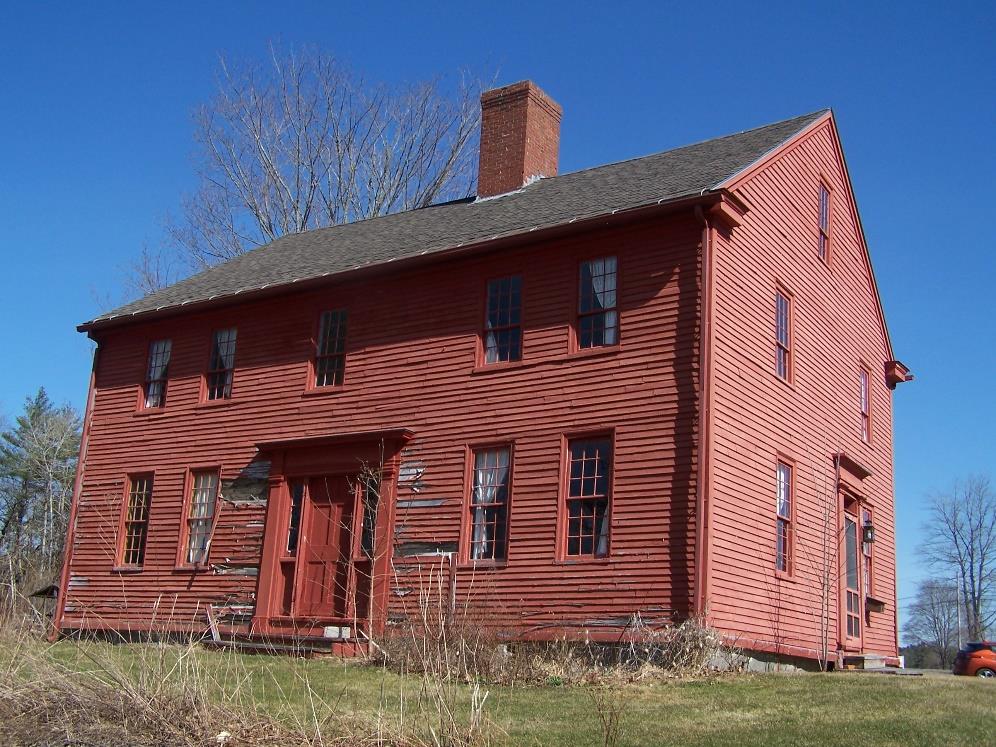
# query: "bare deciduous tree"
961,542
302,142
933,619
37,467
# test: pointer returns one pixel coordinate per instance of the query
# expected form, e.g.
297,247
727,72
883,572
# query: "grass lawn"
774,709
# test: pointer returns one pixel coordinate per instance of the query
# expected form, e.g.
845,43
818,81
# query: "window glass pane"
294,522
489,504
155,387
503,319
851,550
588,497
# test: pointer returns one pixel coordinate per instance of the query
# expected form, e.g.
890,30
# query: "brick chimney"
520,137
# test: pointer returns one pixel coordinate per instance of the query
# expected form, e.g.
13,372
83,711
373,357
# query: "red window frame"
823,241
133,528
501,338
586,507
488,503
864,400
156,374
221,364
329,363
596,323
185,558
784,517
783,334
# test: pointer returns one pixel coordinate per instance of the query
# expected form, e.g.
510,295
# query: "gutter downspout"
67,552
703,508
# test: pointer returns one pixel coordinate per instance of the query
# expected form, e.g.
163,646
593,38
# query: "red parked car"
978,659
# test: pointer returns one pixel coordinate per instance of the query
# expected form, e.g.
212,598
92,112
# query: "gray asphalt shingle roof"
667,176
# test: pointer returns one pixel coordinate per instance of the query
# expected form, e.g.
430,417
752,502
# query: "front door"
852,589
323,569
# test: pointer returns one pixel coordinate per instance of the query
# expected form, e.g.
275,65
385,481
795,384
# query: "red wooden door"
323,566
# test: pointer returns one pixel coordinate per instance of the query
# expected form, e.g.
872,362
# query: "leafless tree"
37,466
961,542
302,142
933,619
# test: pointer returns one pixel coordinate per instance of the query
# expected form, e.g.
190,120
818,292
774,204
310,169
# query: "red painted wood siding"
411,352
757,417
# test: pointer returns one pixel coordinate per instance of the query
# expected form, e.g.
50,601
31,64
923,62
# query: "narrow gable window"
865,405
135,524
200,517
503,320
783,522
222,365
330,358
824,240
783,335
156,373
598,319
489,504
589,481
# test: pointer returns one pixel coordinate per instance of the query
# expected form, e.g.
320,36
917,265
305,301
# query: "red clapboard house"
643,391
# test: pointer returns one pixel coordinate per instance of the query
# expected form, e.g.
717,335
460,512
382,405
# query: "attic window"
783,335
598,318
865,404
823,248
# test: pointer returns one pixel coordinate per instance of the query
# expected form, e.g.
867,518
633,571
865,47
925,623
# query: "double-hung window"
783,520
221,367
783,335
823,247
503,320
489,504
598,316
330,354
135,522
588,497
156,373
865,404
200,517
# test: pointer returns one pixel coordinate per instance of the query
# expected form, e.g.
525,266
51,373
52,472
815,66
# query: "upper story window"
135,521
330,355
598,318
503,320
783,335
783,520
865,404
489,504
823,247
200,517
156,373
588,496
222,365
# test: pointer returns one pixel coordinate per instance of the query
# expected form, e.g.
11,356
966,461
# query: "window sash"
503,320
330,351
783,335
489,504
156,373
588,497
200,517
368,530
136,521
598,316
222,364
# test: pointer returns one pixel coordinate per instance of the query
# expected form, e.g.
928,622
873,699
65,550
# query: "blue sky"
97,150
